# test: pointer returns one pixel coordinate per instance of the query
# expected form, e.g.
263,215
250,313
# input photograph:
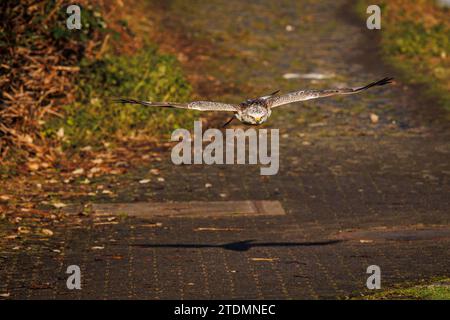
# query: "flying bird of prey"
257,111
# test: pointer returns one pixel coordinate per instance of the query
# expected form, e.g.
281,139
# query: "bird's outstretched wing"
303,95
196,105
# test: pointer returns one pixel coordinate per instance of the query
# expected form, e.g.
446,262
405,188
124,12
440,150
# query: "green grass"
438,290
147,75
415,40
411,48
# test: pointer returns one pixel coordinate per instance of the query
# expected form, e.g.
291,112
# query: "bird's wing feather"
195,105
303,95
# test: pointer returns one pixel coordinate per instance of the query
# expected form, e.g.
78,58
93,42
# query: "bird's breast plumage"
254,113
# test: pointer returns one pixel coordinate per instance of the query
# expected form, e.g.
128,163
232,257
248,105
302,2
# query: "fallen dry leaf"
154,171
97,161
23,230
33,166
218,229
105,223
264,259
47,232
45,165
78,171
59,205
60,133
289,28
151,225
95,170
43,285
374,118
4,197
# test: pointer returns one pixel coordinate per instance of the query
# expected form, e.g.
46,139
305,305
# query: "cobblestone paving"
340,177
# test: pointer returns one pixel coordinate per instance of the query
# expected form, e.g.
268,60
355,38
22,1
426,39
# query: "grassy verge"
93,117
438,290
57,84
415,40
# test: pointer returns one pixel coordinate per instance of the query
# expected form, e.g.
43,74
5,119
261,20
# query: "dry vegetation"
37,67
55,83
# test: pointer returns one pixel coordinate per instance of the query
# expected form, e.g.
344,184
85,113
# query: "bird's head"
256,114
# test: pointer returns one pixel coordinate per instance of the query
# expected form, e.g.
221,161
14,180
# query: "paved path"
355,193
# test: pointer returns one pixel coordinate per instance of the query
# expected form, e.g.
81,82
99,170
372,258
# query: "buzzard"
257,111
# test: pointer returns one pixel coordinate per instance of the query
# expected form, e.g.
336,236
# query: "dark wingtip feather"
144,103
274,93
384,81
123,100
381,82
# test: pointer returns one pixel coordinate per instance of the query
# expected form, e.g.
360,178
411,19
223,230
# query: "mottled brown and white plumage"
257,111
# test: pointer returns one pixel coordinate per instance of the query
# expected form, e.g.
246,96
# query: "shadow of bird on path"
239,245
